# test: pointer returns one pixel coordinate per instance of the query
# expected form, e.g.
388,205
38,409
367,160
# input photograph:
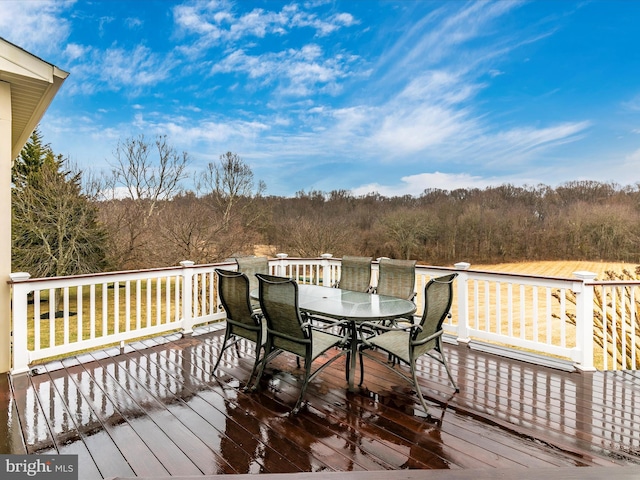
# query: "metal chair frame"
355,274
396,278
252,265
409,342
288,331
242,320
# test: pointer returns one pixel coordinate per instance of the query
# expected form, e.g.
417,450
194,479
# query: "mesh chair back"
233,288
438,296
397,278
355,273
279,304
252,265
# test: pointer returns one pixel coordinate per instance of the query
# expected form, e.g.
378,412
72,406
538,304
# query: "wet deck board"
155,411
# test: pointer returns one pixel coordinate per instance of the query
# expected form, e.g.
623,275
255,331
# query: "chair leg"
266,356
418,391
307,374
446,364
254,369
227,335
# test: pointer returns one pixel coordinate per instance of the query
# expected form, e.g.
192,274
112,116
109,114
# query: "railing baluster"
476,306
158,301
605,333
105,309
510,308
522,312
116,307
65,314
79,319
535,314
138,304
167,295
36,320
548,315
92,311
148,318
498,308
487,307
563,316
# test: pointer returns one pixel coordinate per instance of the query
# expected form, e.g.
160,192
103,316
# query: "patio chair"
409,342
396,278
242,320
288,331
252,265
355,274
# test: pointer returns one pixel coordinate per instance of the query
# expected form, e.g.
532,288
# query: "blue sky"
362,95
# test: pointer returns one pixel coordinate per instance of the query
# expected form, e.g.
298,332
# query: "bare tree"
228,183
407,229
143,178
311,236
235,213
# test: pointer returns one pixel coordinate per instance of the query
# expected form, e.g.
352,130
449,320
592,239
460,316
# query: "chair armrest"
429,338
337,323
379,327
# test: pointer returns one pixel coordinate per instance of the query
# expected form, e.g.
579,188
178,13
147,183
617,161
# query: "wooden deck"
155,411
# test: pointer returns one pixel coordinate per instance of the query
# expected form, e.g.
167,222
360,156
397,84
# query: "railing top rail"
105,275
165,270
613,283
521,275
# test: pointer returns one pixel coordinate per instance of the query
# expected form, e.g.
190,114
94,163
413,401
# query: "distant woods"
576,221
582,220
144,217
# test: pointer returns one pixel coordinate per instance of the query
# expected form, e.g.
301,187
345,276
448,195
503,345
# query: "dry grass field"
545,268
558,268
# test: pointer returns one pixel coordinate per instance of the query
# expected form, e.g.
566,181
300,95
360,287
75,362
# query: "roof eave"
18,67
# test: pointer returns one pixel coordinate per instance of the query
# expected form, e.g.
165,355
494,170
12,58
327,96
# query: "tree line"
139,215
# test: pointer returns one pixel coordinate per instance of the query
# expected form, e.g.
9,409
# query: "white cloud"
412,130
73,51
216,21
295,72
416,184
38,26
183,132
133,22
117,68
519,144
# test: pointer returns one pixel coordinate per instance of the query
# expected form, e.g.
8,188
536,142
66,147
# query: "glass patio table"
354,307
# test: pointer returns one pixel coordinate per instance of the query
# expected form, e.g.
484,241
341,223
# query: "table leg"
353,344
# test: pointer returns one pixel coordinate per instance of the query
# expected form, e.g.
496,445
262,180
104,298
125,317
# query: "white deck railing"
548,320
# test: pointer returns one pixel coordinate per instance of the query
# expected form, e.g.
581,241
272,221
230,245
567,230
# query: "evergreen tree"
55,230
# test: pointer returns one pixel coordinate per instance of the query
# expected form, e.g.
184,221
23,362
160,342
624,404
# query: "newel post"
187,297
584,320
281,266
20,333
326,269
463,302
